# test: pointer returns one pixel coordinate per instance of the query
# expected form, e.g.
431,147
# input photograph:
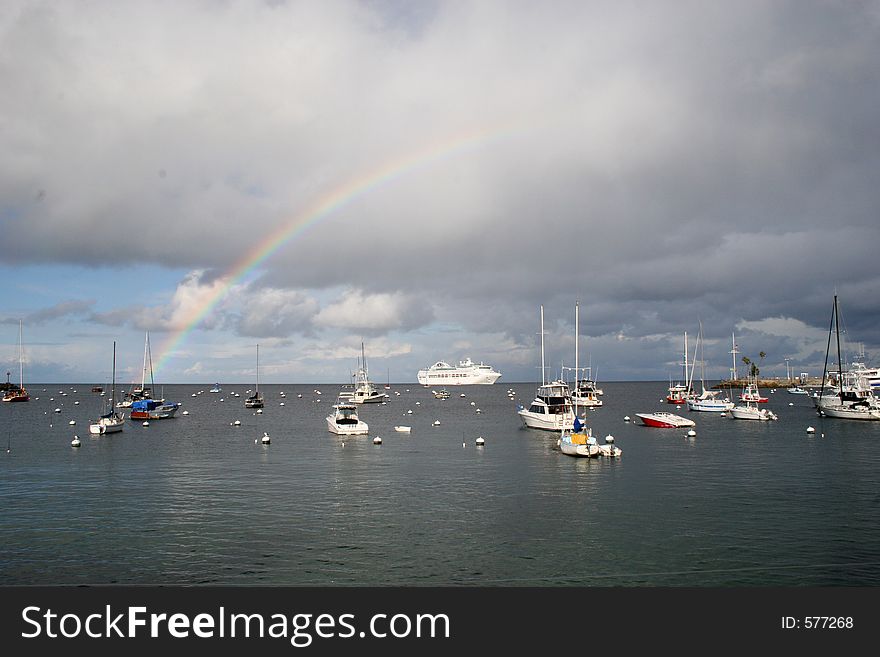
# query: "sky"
421,177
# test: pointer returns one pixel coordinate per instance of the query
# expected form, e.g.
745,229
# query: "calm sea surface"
195,500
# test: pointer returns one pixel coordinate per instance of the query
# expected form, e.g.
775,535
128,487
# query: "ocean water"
195,500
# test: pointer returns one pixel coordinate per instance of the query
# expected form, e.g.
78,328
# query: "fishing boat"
112,421
586,394
364,390
797,390
19,394
751,411
665,420
552,408
751,393
441,394
255,400
344,419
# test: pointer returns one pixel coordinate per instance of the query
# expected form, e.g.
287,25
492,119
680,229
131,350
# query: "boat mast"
113,385
733,352
20,360
144,370
827,351
543,379
685,362
258,371
576,333
150,351
839,362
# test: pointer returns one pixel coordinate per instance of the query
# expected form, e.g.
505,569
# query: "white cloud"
375,313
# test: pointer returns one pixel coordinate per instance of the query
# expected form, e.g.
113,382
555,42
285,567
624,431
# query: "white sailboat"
708,399
854,400
19,394
112,421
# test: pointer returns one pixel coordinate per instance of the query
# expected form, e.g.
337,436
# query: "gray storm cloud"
663,163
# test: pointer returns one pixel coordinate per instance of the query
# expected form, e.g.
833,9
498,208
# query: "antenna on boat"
734,351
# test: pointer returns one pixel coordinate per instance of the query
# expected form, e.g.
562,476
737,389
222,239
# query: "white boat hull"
850,412
359,428
709,405
547,421
748,413
584,451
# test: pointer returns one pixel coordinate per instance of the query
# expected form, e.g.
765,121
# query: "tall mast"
144,371
258,369
685,361
150,352
839,362
20,365
576,334
113,385
543,379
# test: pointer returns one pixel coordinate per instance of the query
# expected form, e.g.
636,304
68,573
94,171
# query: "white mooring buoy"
377,440
266,439
480,441
75,442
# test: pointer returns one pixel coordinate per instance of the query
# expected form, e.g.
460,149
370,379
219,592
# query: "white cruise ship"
467,373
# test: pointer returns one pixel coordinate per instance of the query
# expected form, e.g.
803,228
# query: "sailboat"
551,409
146,408
17,394
112,421
854,400
708,399
255,400
678,392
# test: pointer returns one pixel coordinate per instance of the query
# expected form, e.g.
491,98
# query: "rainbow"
320,209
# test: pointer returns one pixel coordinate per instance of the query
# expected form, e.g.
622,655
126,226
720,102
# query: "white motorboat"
464,374
344,420
552,408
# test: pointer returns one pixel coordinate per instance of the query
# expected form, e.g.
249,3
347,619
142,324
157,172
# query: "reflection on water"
197,500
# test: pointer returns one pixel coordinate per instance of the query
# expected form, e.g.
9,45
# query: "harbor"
200,499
